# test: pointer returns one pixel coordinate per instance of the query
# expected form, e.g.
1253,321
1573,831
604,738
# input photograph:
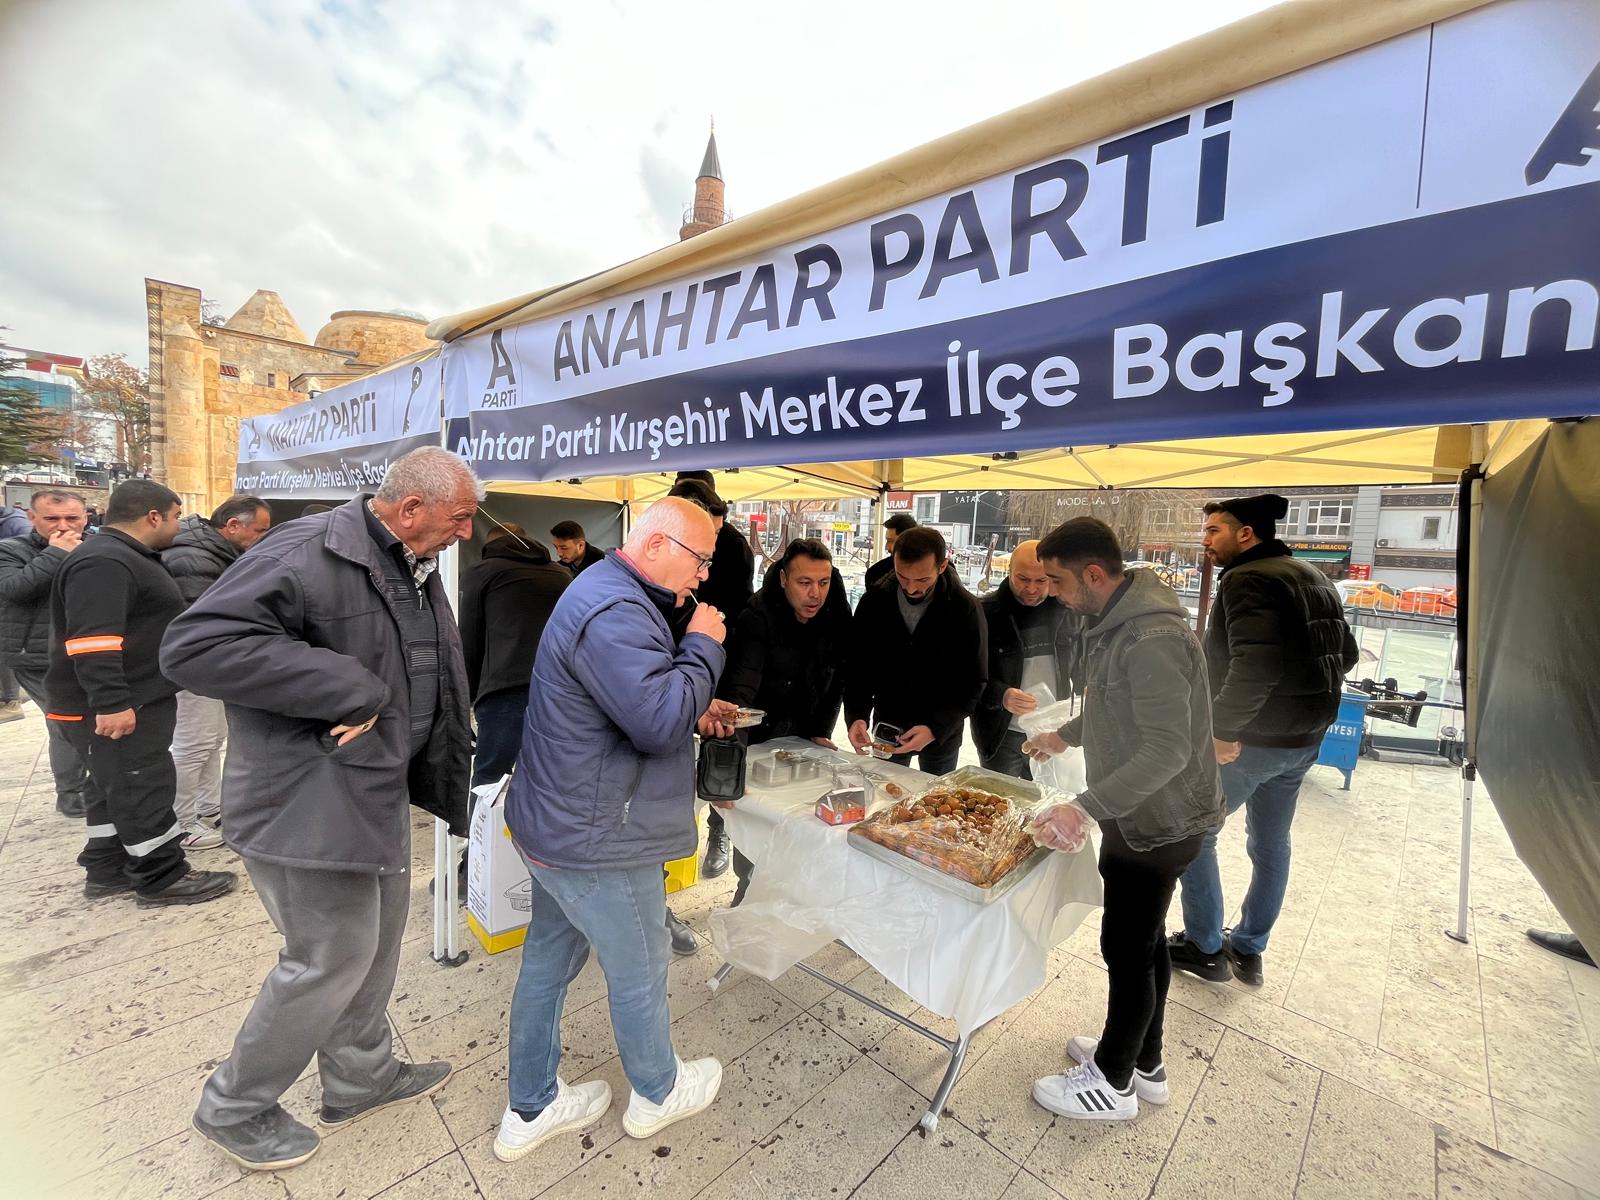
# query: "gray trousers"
197,755
327,996
70,774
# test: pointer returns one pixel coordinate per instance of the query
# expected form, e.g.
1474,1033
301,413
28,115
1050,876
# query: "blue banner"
1478,314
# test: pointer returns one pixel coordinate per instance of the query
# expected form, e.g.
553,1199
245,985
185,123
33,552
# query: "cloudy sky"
434,157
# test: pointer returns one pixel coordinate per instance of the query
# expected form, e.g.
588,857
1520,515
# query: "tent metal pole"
880,514
447,850
1469,684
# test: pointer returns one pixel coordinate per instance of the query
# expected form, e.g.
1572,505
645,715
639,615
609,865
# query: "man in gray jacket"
603,794
334,648
1155,792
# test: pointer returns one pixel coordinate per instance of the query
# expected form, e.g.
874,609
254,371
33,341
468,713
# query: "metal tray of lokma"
948,883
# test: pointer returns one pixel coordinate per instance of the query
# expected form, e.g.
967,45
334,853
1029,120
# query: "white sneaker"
574,1108
693,1093
11,710
1084,1095
198,837
1149,1086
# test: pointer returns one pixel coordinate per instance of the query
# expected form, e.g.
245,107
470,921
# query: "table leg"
958,1054
715,981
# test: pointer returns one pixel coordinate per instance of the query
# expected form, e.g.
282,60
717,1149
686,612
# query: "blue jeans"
623,915
1266,781
500,715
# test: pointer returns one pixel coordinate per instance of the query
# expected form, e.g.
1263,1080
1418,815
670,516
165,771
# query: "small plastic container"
806,769
771,772
886,740
745,718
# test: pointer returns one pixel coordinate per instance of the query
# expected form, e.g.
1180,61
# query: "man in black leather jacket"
1277,649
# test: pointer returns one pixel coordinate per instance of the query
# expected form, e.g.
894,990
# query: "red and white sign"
898,502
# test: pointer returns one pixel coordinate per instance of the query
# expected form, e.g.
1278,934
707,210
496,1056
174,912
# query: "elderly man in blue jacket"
603,794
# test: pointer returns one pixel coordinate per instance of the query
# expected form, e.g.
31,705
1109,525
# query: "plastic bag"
1062,776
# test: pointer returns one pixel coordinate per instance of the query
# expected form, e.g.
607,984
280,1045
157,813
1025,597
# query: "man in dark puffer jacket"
786,657
1277,649
506,601
198,556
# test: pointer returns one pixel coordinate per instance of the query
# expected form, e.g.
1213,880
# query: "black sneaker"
95,889
1246,967
413,1081
1186,956
268,1141
195,887
716,860
683,940
71,804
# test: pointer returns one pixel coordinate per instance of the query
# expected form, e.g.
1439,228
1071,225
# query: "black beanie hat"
1261,513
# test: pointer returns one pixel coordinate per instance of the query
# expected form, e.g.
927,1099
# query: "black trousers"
1133,941
742,866
937,758
1007,757
133,832
500,717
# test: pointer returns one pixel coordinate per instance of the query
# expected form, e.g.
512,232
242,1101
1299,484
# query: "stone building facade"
205,378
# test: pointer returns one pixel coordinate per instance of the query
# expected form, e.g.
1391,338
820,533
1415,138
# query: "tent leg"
1469,775
446,897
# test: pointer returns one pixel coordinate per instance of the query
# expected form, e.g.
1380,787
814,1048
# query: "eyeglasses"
702,561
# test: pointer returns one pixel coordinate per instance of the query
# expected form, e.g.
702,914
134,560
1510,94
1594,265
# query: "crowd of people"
349,692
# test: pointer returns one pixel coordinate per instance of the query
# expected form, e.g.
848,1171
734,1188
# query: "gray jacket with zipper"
1145,728
299,636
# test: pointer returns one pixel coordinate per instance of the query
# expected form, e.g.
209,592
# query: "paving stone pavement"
1381,1059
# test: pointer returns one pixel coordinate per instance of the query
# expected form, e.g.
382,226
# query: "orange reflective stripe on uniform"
99,644
60,717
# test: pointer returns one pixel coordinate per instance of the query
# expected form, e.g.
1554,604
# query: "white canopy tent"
1320,171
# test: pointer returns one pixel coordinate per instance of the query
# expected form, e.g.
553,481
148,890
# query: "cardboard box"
499,889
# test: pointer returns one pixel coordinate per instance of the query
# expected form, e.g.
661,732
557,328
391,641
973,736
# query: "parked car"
1429,601
1370,594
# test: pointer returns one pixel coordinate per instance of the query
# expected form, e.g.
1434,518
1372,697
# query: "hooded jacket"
299,636
28,567
1277,648
730,582
605,777
1001,611
933,677
197,557
506,600
792,670
1145,728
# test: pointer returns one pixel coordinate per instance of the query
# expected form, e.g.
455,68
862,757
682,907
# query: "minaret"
708,210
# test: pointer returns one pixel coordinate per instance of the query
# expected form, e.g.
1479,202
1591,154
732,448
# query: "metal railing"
706,214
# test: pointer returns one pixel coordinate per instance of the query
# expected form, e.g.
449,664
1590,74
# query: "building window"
272,379
1321,518
1430,529
927,508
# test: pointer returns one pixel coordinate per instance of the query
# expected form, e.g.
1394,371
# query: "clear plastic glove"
1062,827
1043,746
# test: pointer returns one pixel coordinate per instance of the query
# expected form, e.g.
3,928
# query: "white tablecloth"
956,957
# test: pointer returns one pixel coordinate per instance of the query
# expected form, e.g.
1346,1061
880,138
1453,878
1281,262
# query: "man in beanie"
1277,649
